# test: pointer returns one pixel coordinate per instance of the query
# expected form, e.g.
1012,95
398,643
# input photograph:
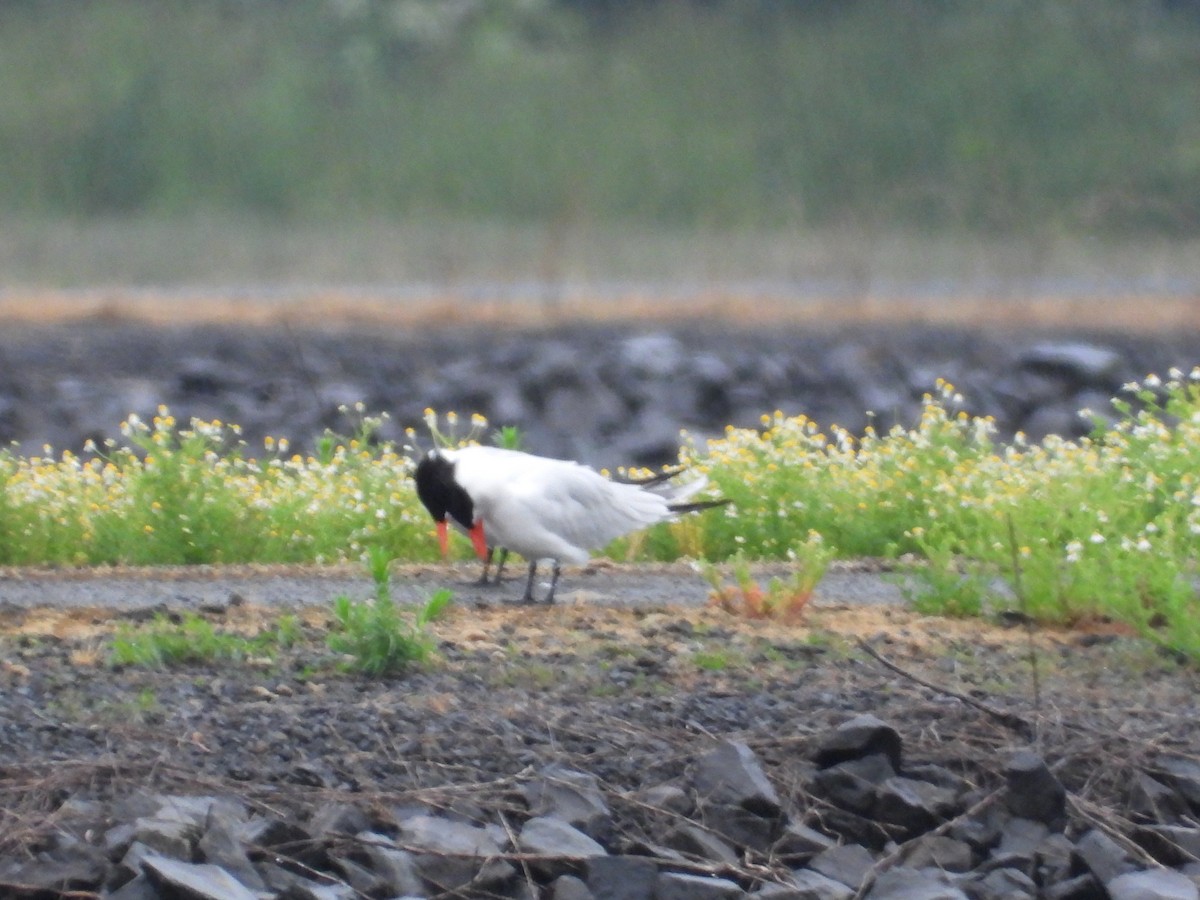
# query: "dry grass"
349,309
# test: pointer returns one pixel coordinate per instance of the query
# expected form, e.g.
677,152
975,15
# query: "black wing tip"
698,505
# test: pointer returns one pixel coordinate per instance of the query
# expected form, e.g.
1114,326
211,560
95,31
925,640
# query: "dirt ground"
630,692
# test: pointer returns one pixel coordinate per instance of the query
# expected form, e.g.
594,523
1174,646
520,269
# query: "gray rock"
1003,884
668,797
731,774
574,797
845,863
341,818
657,355
170,837
395,867
701,843
799,843
914,806
196,881
1032,790
1152,884
139,888
1171,845
1150,798
852,784
683,886
1102,856
568,887
860,737
940,852
1082,362
740,826
1081,887
809,885
459,853
1184,776
1019,835
622,877
903,883
560,843
220,847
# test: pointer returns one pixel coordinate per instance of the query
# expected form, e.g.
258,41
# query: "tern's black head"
440,493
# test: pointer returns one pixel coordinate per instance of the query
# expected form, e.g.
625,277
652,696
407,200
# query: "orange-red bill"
443,533
478,539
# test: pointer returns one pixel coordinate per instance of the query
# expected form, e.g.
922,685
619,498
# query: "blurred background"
520,148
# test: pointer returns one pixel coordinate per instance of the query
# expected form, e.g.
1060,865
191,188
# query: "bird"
542,508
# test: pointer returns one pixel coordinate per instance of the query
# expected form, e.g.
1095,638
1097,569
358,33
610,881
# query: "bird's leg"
553,583
528,598
487,564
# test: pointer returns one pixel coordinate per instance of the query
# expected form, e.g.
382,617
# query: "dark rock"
1097,853
731,774
852,784
220,847
668,797
1152,884
903,883
701,843
940,852
1033,791
862,736
568,887
1171,845
845,863
196,881
1019,835
560,843
139,888
79,868
395,867
458,853
913,806
1081,887
799,843
1184,776
1081,362
1154,801
740,826
1002,884
340,818
622,877
808,885
170,837
682,886
574,797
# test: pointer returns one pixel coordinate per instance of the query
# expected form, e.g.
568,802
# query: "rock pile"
608,395
862,825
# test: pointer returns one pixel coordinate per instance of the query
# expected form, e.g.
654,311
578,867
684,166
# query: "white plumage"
546,509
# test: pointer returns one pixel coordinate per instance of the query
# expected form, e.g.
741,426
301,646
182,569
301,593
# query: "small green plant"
784,599
193,639
373,634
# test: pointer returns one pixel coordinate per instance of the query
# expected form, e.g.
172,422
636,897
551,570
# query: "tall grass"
1031,114
1106,526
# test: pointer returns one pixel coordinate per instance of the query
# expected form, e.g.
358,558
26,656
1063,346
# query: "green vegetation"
193,639
377,640
1107,526
996,116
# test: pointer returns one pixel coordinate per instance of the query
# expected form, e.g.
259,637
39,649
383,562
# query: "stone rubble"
919,834
605,394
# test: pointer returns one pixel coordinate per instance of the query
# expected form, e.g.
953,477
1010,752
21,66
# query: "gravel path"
199,587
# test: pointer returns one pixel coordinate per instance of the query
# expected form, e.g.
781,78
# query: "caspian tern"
542,508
